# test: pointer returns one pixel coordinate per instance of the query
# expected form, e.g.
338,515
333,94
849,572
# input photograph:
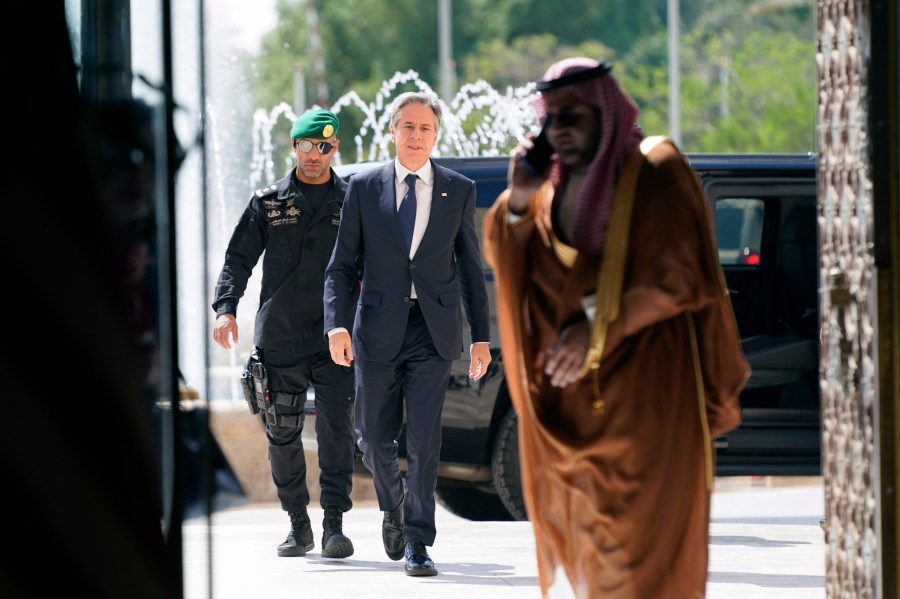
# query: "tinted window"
739,230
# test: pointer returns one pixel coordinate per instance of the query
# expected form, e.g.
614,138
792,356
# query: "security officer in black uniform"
295,220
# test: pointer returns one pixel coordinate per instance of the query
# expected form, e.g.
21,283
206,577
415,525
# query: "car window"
739,225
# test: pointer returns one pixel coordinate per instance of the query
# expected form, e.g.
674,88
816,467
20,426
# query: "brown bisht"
617,468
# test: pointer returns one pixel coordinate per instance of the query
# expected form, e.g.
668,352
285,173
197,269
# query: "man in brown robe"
621,351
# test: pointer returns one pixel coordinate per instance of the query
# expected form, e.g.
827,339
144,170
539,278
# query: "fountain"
479,121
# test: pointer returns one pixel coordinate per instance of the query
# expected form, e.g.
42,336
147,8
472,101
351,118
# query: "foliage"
281,54
643,74
524,59
764,98
747,67
617,22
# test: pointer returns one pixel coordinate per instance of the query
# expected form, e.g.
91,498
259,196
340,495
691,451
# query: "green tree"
643,74
524,59
760,97
747,70
283,51
614,23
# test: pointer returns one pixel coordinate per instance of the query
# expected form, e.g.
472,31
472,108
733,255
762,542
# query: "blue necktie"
406,213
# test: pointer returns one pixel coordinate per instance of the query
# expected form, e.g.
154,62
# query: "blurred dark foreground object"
81,489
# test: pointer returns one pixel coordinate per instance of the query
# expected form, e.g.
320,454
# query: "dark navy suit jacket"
446,268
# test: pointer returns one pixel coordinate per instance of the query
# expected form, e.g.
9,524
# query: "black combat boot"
334,543
300,539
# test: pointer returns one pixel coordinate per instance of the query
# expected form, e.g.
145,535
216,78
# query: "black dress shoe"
392,532
417,561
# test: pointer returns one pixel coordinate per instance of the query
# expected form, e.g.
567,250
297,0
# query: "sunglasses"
305,146
565,118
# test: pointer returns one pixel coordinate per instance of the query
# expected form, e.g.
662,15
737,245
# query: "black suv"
765,213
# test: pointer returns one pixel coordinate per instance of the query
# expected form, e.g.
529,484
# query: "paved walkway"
765,543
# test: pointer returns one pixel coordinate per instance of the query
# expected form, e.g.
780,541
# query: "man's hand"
522,183
341,349
566,357
481,357
225,329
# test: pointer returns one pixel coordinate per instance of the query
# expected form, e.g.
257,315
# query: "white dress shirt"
424,189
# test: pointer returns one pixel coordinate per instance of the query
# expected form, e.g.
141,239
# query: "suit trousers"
415,379
333,385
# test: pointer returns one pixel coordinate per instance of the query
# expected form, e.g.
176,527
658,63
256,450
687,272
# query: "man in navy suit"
408,325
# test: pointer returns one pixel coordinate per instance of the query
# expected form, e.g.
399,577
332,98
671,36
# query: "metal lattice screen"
847,302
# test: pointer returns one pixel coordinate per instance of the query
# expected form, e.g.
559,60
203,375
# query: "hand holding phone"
537,159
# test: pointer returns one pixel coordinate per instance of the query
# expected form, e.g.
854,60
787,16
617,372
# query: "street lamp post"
445,50
673,27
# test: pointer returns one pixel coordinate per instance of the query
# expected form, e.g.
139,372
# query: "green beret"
320,124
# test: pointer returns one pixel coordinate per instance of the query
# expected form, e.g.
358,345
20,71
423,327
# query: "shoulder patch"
264,191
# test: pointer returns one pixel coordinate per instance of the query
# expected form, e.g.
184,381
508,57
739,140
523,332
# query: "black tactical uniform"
298,238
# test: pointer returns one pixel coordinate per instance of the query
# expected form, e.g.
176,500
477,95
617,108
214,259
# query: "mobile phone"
538,157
